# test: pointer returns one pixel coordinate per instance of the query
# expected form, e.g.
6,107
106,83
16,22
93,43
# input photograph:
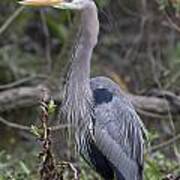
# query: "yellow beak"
40,2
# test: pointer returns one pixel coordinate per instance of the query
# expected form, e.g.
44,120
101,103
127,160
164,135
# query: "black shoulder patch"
102,95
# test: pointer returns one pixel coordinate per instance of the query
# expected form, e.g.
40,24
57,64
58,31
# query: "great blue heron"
109,131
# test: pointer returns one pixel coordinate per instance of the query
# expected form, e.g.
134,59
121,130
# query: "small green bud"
36,131
51,107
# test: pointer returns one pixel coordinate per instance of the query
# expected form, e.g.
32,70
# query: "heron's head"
61,4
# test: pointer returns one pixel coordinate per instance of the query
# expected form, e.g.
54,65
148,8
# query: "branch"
21,81
10,20
165,144
14,125
19,98
149,106
27,128
157,106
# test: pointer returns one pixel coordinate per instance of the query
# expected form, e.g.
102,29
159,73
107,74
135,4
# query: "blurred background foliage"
138,47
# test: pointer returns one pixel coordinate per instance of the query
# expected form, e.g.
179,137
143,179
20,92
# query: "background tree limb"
29,96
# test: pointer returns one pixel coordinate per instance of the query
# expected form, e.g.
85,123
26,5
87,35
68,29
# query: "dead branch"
27,128
19,97
14,125
157,106
10,20
165,144
21,82
147,105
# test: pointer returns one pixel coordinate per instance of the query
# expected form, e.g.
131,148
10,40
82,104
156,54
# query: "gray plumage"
109,132
118,131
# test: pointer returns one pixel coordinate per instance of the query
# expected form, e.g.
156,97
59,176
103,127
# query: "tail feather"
119,175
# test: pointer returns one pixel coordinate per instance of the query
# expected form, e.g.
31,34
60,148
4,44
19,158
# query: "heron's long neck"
84,45
78,95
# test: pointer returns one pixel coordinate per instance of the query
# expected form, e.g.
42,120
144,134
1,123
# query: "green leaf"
36,131
51,107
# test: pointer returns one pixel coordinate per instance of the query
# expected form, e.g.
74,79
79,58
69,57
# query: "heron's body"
109,131
111,150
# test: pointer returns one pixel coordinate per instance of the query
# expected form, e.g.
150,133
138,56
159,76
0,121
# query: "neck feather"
78,96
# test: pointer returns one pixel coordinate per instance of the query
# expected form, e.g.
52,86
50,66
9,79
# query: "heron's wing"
118,135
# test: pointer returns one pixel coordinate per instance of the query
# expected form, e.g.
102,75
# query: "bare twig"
14,125
151,115
173,80
47,43
9,21
65,164
174,25
58,127
165,144
27,128
21,81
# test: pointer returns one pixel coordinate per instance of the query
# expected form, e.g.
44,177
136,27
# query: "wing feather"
119,136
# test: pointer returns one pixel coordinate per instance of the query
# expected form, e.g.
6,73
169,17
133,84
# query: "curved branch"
14,125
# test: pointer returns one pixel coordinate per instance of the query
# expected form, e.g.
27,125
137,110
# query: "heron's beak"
40,2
